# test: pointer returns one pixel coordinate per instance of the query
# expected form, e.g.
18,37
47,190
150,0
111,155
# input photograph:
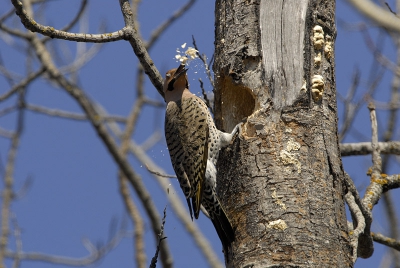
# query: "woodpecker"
194,143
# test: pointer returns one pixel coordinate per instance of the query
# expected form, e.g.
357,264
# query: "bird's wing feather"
187,139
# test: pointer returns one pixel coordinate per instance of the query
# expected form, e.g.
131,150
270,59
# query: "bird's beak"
180,71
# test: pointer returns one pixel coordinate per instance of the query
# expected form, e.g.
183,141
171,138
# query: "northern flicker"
194,144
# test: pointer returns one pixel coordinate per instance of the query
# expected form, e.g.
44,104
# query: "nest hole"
237,103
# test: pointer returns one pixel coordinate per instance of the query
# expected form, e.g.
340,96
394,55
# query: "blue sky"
74,192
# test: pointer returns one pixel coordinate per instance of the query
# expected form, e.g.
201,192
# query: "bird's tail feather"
223,227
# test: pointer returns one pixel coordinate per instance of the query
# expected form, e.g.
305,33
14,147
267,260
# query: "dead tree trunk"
281,182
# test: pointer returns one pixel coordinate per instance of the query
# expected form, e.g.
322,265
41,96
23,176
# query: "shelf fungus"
328,47
317,60
318,37
317,87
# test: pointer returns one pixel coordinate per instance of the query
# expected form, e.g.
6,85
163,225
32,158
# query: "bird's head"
176,80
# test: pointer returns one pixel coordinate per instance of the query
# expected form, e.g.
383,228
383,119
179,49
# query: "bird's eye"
167,75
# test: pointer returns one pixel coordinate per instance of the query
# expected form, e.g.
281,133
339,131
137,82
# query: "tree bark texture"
281,181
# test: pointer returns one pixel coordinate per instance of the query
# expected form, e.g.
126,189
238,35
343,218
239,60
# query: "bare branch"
377,14
374,190
376,157
349,107
8,110
6,133
389,182
377,53
364,246
154,103
7,194
18,241
379,184
10,76
34,26
71,115
138,185
358,221
73,21
139,48
390,242
179,209
81,59
95,119
384,105
134,213
352,107
14,32
30,78
387,197
94,255
365,148
7,15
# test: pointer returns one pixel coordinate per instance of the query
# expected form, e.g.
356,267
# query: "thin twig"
13,32
203,58
7,194
376,157
72,23
160,174
8,110
29,79
6,133
161,237
164,26
18,241
81,59
378,55
203,91
94,255
7,15
351,109
390,9
151,141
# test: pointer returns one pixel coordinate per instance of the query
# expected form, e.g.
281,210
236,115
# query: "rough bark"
281,182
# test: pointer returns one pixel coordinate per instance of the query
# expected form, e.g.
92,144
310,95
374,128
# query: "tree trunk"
281,182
